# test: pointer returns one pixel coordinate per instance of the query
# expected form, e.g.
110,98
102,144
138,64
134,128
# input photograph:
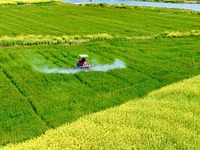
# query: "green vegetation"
178,34
50,40
54,40
58,98
175,1
124,6
165,119
79,20
33,102
25,2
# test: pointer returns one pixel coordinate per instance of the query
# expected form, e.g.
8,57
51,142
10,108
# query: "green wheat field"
152,103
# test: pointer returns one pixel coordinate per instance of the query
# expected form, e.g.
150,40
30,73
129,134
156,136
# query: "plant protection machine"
82,62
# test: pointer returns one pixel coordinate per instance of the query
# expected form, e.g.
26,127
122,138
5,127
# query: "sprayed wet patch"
118,64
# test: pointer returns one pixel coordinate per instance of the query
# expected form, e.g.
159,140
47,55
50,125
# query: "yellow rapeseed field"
168,118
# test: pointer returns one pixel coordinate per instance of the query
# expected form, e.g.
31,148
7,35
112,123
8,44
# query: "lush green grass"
32,102
60,98
165,119
78,20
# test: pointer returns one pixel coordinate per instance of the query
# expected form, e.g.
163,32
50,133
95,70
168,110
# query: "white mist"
117,64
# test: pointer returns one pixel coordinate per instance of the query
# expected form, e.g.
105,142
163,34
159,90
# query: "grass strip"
77,39
48,39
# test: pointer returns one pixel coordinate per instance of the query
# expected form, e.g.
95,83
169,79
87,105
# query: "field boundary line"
21,91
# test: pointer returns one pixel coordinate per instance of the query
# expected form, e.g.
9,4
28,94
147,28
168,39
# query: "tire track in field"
106,56
83,82
156,83
63,56
49,59
135,69
117,53
132,85
60,59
